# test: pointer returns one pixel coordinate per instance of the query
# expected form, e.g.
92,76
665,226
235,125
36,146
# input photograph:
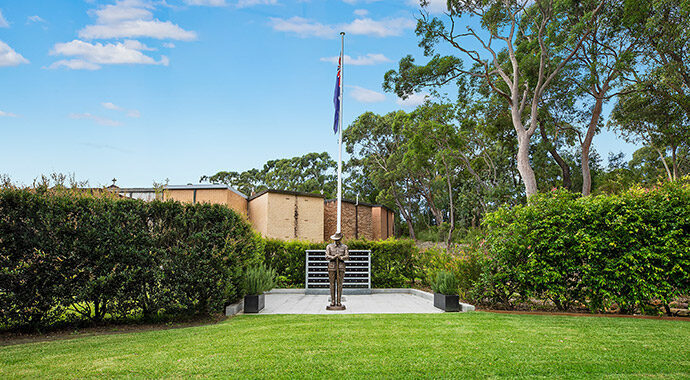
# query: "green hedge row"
67,256
630,251
71,255
393,262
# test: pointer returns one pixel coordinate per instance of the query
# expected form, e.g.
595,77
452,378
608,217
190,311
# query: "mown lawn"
343,346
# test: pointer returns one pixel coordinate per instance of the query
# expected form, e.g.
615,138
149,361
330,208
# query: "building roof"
199,186
360,203
297,193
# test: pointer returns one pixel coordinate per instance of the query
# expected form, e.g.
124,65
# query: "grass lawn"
429,345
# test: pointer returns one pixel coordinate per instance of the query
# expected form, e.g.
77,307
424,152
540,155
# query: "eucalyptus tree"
248,181
378,145
550,24
666,33
658,122
310,173
606,56
433,136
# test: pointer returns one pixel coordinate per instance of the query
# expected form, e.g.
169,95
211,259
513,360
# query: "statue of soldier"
336,254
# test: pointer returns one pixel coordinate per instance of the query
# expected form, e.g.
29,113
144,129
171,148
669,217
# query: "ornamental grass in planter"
445,289
257,280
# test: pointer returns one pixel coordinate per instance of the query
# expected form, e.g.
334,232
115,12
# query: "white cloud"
35,18
433,6
303,27
380,28
364,26
97,119
249,3
365,95
115,107
74,64
207,3
111,106
361,12
367,60
168,45
90,56
3,22
7,114
9,57
413,100
130,19
123,10
137,28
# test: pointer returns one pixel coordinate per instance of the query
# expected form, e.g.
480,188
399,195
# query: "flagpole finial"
342,33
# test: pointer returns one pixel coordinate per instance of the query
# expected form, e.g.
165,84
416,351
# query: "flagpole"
340,132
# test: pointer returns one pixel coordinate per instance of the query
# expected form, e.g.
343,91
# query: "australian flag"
336,99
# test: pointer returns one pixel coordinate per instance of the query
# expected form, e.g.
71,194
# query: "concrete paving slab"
378,303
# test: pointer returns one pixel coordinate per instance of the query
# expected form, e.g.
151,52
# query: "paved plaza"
286,302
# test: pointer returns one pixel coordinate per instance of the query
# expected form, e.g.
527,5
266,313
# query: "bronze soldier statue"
336,254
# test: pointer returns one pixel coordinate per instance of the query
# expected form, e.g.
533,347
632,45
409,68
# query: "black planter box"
253,303
446,302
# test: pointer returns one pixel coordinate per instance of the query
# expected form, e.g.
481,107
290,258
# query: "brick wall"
288,216
356,220
258,214
382,222
215,196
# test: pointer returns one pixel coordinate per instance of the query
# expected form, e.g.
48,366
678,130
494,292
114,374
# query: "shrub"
288,260
445,283
97,255
392,261
259,279
466,262
631,251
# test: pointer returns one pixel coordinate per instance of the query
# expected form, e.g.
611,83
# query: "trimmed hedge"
629,251
73,255
70,256
393,262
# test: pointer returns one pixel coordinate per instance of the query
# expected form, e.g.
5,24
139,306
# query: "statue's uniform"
336,255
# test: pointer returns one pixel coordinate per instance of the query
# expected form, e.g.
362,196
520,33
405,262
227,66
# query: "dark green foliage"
393,262
445,283
288,259
259,279
630,250
71,254
311,173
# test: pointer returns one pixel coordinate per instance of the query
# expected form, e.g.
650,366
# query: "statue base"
335,307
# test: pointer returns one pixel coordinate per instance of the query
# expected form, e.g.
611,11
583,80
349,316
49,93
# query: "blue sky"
145,90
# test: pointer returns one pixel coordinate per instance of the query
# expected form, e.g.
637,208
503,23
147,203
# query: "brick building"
382,222
201,193
356,220
279,214
359,220
287,215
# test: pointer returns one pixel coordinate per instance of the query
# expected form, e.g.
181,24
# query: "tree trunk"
452,207
663,160
407,220
438,215
674,157
587,143
411,229
565,169
523,164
